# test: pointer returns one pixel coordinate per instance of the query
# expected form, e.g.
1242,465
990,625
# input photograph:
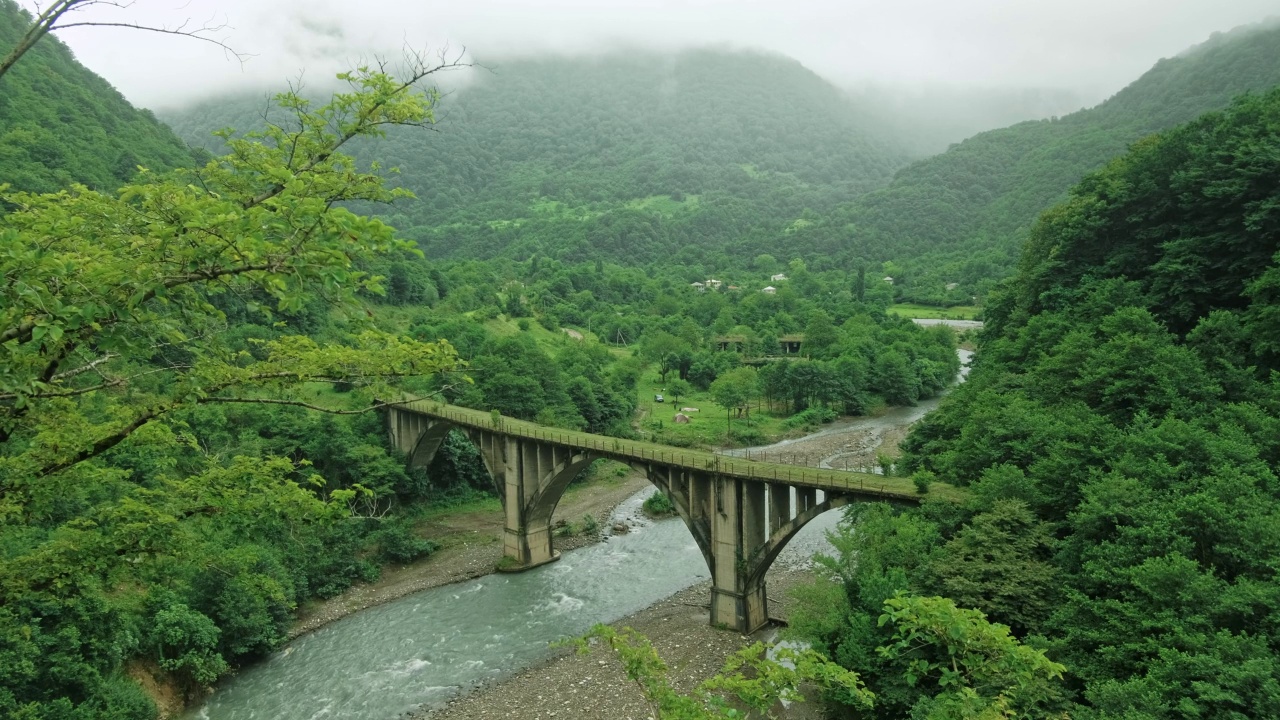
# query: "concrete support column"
779,507
737,529
806,499
525,545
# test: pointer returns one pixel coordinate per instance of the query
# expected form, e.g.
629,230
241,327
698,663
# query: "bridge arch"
782,535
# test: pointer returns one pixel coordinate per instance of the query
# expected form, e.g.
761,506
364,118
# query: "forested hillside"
60,123
962,216
1120,440
639,157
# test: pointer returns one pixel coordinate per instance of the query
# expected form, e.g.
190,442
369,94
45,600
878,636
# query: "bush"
659,504
523,324
748,436
185,642
816,415
565,528
923,479
397,543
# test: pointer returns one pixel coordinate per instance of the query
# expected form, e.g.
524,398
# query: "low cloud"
1091,47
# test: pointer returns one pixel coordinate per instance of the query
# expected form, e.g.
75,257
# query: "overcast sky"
1093,47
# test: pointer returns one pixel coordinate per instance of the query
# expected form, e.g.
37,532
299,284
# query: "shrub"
659,504
748,436
815,415
922,480
397,543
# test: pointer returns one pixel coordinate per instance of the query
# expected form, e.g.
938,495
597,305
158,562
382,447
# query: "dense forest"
712,158
962,216
697,157
1119,437
61,124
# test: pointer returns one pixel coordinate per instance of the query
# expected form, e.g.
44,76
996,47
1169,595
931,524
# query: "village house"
790,344
778,278
771,290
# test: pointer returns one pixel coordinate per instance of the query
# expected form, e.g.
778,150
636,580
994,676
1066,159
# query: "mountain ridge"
60,123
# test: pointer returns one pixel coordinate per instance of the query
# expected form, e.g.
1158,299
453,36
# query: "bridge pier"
737,532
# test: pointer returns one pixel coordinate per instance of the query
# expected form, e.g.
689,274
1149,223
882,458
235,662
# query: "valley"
304,391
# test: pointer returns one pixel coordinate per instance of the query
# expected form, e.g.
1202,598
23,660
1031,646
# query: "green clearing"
664,204
915,310
706,427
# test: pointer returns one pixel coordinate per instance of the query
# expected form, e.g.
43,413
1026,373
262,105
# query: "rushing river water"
425,648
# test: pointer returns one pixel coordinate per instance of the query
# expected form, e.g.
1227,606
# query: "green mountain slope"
1126,393
635,157
961,216
60,123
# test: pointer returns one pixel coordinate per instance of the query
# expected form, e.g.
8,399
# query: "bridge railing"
823,479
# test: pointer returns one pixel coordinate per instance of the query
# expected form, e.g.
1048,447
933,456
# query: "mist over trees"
962,216
192,340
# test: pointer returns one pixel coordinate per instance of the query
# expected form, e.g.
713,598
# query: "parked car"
658,398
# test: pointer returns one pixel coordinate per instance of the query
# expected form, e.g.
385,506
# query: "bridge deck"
866,484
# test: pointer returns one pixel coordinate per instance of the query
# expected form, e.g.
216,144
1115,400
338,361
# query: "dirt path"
471,546
594,687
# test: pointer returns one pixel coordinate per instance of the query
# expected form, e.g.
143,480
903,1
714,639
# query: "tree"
664,349
735,389
114,295
980,669
58,16
677,389
998,563
820,335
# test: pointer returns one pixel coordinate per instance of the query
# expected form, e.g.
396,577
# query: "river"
425,648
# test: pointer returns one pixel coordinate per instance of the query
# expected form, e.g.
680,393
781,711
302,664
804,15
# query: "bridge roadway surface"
741,512
868,485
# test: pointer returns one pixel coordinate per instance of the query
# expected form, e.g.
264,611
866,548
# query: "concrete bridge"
741,512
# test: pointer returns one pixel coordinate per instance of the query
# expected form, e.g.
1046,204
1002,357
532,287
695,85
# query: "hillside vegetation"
639,158
962,216
1120,437
62,124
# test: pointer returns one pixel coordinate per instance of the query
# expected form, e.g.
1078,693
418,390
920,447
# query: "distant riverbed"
957,324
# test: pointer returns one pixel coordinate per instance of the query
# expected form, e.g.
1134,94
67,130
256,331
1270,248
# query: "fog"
1088,48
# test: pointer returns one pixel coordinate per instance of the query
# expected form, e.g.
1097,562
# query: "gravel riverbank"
594,687
472,547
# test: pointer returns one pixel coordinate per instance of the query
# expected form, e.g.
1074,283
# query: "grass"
707,427
549,341
664,204
914,310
